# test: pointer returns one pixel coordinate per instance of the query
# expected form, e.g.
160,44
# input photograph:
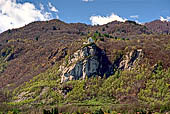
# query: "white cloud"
134,16
14,15
41,7
51,7
87,0
101,20
165,19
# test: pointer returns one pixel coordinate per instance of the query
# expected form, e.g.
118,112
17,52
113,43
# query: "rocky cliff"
131,59
87,61
91,61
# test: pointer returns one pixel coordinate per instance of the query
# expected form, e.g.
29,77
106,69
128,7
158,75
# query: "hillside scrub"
137,87
31,56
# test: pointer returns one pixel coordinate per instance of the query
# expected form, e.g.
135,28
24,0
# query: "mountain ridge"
30,58
35,35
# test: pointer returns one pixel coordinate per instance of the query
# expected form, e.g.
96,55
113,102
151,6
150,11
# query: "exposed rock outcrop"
131,59
91,60
87,61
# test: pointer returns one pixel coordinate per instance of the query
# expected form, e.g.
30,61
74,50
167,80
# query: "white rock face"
84,62
90,61
131,59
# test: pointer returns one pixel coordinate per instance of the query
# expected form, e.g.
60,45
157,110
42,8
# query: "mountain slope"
32,45
32,49
161,27
31,56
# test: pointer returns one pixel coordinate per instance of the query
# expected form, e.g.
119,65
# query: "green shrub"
37,38
52,111
54,28
100,111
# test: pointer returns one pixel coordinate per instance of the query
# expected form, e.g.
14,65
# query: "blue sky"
79,11
88,11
